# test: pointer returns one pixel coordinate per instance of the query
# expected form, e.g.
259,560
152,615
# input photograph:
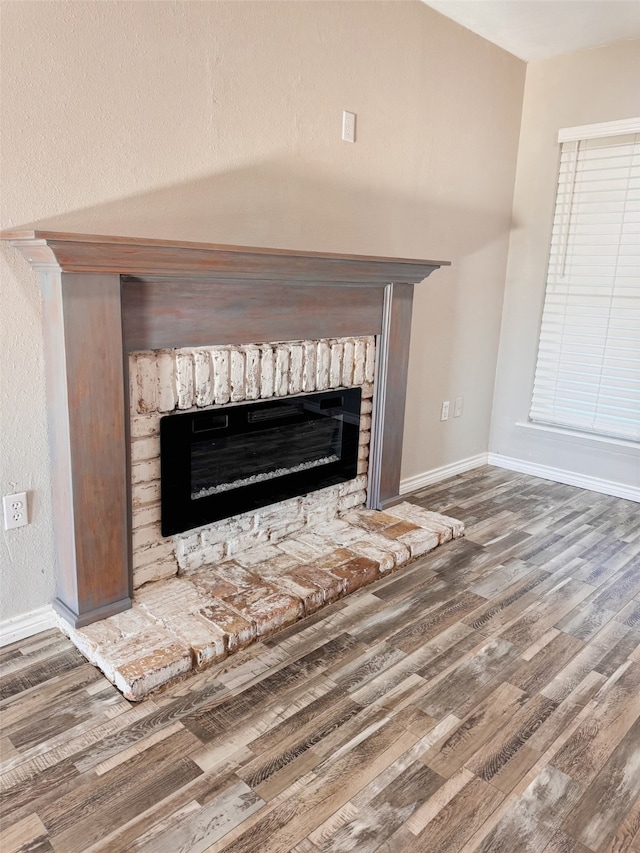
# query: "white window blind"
588,368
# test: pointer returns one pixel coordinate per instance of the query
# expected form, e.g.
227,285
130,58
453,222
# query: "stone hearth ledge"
200,617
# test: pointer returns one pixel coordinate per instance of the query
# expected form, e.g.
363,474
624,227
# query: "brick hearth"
192,621
204,594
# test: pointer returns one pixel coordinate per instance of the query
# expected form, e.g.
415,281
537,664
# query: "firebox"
221,462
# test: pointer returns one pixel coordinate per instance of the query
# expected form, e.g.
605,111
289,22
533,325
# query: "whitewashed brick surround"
163,381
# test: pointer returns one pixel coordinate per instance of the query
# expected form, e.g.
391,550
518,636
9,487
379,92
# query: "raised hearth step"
198,618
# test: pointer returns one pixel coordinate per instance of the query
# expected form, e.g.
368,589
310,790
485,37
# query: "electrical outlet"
444,411
457,407
15,510
348,126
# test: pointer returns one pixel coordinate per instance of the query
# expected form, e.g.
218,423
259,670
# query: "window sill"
588,437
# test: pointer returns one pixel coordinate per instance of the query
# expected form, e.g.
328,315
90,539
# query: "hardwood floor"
486,698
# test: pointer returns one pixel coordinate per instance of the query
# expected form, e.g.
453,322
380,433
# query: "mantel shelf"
60,252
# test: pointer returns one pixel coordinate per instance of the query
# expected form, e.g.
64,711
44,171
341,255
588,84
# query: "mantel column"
87,435
392,359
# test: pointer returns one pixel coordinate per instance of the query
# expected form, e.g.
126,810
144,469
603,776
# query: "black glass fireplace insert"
222,462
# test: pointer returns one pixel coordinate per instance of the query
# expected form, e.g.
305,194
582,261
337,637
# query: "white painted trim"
574,433
27,624
571,478
597,131
419,481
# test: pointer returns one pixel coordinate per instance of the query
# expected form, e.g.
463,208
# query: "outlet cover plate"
15,510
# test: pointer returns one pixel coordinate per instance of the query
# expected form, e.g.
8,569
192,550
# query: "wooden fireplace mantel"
50,250
106,296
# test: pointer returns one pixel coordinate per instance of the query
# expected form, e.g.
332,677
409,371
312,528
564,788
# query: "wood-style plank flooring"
485,698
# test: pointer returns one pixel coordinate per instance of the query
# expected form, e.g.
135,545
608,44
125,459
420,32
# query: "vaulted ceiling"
540,29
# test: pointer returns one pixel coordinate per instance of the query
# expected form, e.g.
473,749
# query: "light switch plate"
348,126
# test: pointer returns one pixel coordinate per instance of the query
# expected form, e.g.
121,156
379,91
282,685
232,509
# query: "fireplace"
106,298
217,387
219,463
228,344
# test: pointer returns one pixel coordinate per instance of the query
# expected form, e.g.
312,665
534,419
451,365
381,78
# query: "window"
588,368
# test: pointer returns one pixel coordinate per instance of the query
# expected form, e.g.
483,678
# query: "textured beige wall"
221,121
579,88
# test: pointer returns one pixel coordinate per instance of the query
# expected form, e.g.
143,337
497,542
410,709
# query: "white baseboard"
27,624
570,478
419,481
